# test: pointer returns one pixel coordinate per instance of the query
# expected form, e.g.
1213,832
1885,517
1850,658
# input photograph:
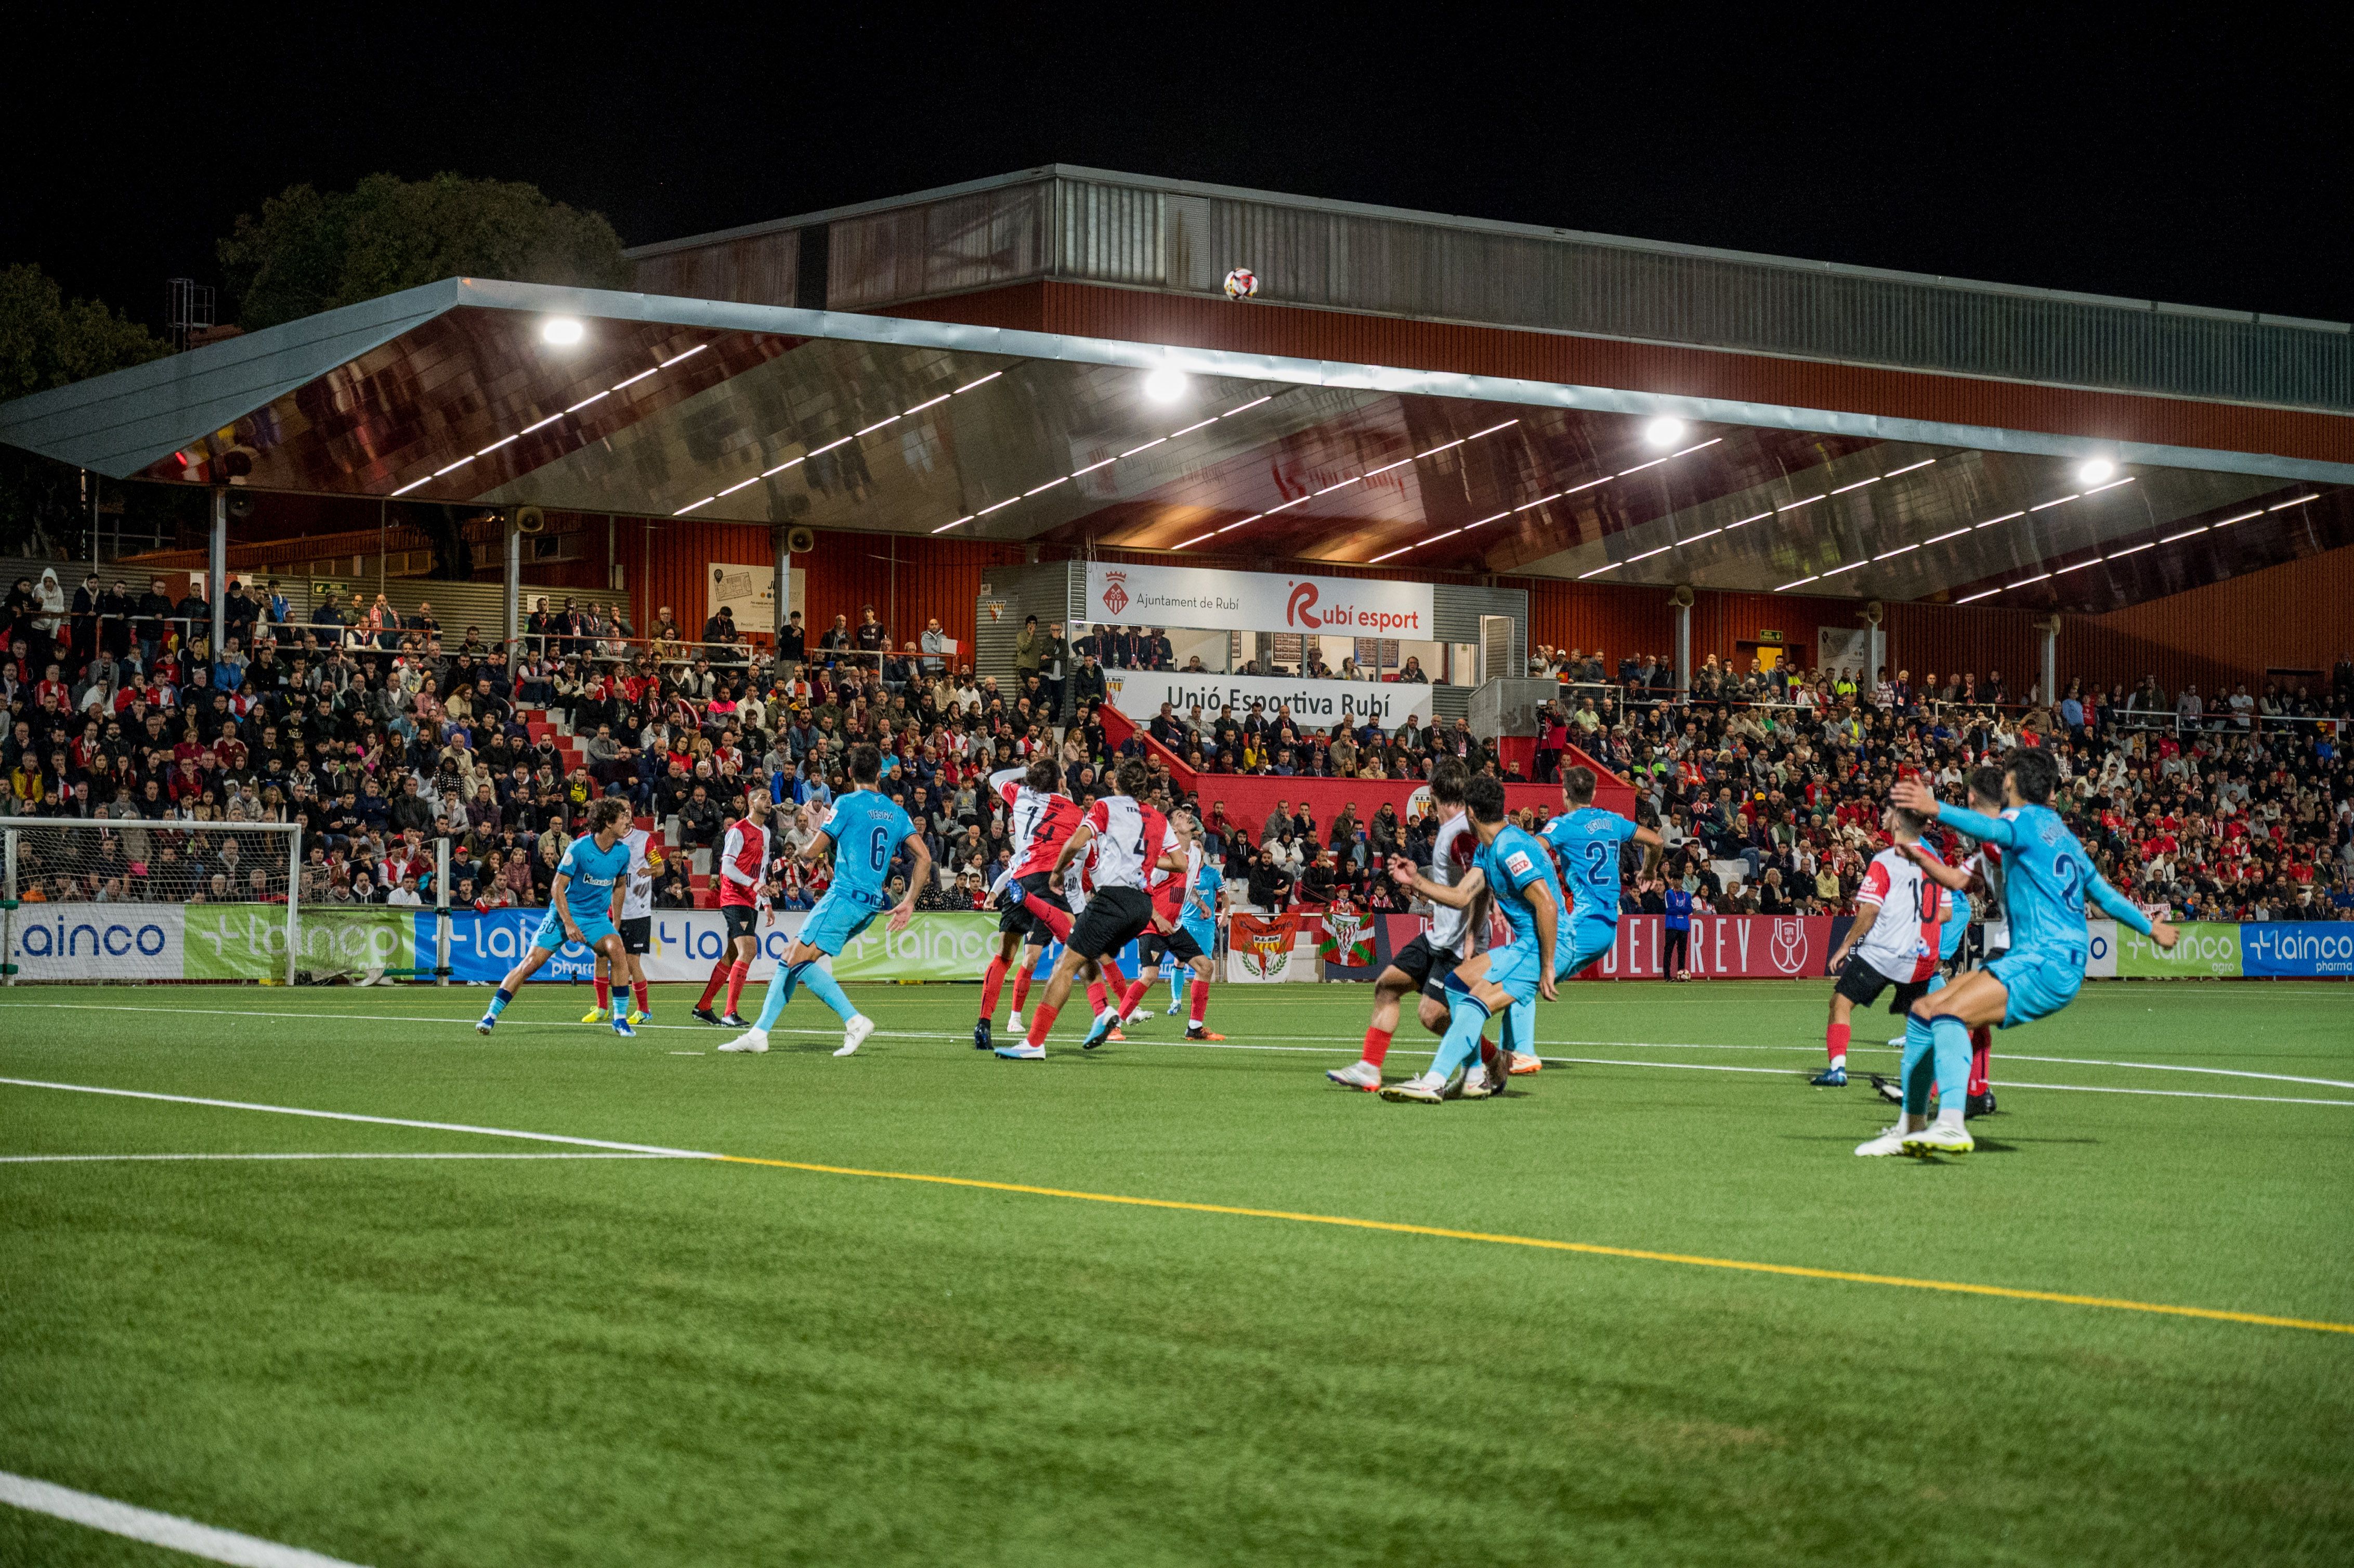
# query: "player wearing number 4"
2046,878
864,830
584,900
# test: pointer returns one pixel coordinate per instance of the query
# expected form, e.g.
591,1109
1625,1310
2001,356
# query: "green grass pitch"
658,1362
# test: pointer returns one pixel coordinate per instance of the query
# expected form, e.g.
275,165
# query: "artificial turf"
691,1362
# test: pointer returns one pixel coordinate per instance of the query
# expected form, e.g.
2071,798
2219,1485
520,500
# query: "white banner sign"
1255,601
1318,705
750,594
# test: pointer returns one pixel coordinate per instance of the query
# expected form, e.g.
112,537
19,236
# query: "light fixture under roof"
1165,384
562,331
1664,432
2096,471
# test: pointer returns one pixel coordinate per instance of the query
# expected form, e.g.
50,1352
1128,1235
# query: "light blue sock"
1918,1072
781,992
1177,978
1465,1022
1518,1030
822,986
499,1001
1952,1045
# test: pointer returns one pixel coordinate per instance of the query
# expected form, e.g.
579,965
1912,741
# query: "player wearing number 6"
2046,878
863,832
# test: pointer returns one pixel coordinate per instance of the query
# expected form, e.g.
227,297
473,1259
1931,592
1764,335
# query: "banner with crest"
1263,952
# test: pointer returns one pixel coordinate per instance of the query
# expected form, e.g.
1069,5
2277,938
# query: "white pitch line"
104,1158
353,1116
165,1529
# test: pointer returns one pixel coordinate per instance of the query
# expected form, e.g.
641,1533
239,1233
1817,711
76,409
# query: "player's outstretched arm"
2125,911
1541,904
1912,795
1459,896
917,875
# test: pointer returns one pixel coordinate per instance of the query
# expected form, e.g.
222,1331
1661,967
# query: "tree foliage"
48,340
311,251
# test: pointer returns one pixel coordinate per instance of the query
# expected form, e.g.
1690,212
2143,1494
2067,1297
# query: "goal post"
127,899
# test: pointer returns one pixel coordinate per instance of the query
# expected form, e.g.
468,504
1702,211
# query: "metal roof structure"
765,414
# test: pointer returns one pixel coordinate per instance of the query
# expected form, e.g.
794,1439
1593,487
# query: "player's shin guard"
1134,997
499,999
738,974
1201,1001
1951,1044
1377,1045
1055,919
1835,1043
1919,1070
1021,986
712,986
824,987
1097,1001
642,995
1981,1051
991,984
1518,1030
604,992
1042,1024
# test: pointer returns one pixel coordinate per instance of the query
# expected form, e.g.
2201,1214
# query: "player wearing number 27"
2046,877
863,832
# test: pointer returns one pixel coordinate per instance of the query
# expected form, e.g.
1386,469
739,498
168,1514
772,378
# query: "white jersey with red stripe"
638,897
1130,837
1041,824
1902,943
742,865
1451,854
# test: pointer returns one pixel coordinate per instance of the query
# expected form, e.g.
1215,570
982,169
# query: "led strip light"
1358,479
2136,549
1760,517
596,398
838,442
1144,446
1957,533
1542,499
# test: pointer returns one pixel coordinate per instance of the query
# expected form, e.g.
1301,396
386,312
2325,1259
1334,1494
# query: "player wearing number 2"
2047,876
863,832
1588,841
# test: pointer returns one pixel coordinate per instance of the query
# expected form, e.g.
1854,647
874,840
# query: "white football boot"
1358,1074
854,1034
1014,1021
1427,1090
1890,1141
753,1040
1939,1138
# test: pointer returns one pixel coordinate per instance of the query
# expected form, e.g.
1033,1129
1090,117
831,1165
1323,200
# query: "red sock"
1981,1048
1096,998
1835,1040
991,984
604,992
1056,920
1041,1022
1114,981
1201,999
737,976
1021,987
718,978
1377,1045
638,991
1135,994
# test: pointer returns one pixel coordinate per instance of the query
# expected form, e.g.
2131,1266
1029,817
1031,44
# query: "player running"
1514,864
1185,926
1424,964
743,866
2047,876
1900,921
1128,839
1043,817
865,828
1588,840
582,900
637,928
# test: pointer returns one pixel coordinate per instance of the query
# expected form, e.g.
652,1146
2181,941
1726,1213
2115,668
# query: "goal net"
137,901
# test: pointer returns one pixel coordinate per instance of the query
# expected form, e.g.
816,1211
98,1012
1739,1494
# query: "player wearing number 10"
2046,878
863,832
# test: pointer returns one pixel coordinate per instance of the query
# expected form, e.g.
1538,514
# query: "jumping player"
1900,919
582,900
1128,839
1515,864
743,865
1183,926
865,828
1978,877
2047,876
637,928
1042,818
1588,840
1424,964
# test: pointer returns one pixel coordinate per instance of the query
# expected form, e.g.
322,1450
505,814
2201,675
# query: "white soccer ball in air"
1241,284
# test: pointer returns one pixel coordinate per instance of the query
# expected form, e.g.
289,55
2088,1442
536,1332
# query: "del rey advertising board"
1255,601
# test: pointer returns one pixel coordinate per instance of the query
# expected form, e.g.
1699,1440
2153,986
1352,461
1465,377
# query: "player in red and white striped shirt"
1126,840
742,865
1898,916
1043,818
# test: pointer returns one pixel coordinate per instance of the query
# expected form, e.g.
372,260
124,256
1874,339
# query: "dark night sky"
2205,161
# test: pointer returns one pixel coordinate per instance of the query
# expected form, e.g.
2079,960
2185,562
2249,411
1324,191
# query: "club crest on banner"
1348,940
1262,949
1114,592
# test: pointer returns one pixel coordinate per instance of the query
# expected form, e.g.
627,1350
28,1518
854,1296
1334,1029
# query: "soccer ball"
1241,284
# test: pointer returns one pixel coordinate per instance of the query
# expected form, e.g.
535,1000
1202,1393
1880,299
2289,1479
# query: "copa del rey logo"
1114,592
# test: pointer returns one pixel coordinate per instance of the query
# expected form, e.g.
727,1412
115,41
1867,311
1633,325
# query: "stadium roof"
762,414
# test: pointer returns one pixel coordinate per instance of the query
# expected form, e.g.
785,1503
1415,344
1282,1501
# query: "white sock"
1839,1063
1950,1116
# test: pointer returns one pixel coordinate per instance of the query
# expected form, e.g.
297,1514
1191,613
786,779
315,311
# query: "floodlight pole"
1683,649
218,562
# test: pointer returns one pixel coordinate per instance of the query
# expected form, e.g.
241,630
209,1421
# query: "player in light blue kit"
1587,838
584,901
1199,917
1512,864
2047,876
865,831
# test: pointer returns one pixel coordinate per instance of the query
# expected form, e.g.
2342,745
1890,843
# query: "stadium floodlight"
1165,384
2097,471
562,331
1664,432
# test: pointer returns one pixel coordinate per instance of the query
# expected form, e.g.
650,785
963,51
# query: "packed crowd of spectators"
384,736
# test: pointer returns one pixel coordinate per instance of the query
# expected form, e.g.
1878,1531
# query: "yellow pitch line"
1594,1249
